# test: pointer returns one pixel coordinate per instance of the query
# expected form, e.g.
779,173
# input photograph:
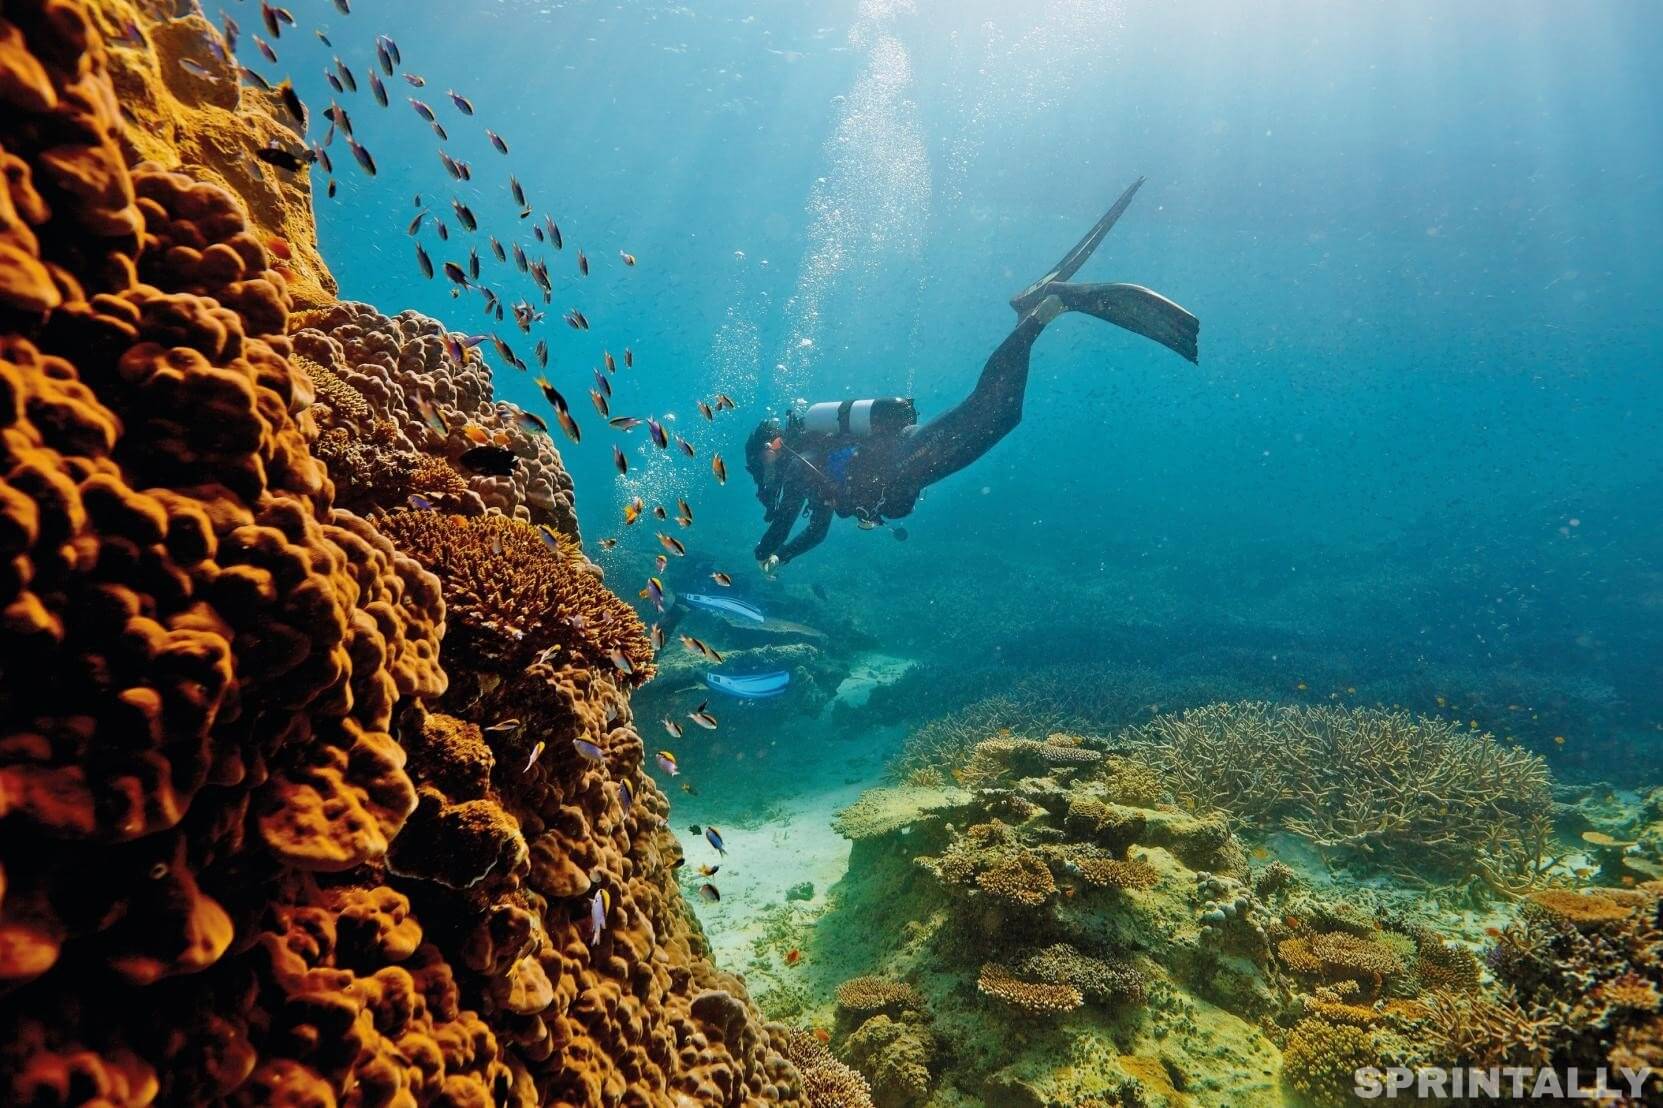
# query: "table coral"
1000,983
512,595
826,1082
1098,979
877,994
1021,877
1580,909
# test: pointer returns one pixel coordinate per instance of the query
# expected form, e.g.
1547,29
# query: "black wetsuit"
880,478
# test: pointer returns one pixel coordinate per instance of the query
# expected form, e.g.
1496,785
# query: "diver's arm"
780,521
818,524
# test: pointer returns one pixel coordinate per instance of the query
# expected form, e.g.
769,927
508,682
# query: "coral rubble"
268,833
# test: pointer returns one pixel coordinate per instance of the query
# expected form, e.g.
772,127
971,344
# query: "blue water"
1420,457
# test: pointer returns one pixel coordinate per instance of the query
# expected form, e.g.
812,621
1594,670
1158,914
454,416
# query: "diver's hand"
769,564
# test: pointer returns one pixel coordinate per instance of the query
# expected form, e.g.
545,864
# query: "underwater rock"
400,412
894,1056
802,891
879,812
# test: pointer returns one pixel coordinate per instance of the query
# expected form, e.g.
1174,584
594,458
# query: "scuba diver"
870,459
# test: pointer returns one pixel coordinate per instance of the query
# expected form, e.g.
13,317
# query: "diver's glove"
769,564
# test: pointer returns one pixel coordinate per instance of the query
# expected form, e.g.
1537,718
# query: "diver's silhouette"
870,458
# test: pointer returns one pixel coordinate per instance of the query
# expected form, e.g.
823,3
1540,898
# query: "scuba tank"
860,419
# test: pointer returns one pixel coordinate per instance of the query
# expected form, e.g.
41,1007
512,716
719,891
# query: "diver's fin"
1137,309
1075,258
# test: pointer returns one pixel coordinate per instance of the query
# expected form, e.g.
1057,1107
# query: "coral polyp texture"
404,403
264,835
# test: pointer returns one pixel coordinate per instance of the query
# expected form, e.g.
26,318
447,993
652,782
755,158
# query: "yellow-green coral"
1321,1059
1402,790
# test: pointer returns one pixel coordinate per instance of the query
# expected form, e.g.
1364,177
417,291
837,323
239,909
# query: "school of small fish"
492,278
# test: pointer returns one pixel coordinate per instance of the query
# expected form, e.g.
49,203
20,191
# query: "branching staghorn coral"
1407,792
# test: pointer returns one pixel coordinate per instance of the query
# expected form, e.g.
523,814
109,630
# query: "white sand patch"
869,672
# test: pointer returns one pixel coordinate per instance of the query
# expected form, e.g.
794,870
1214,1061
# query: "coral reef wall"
285,815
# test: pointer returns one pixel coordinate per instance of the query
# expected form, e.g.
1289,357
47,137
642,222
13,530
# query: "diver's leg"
1139,310
963,433
1075,258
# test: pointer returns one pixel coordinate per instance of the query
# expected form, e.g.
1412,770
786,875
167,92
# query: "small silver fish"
588,749
709,893
672,727
506,729
619,660
536,753
714,838
667,763
626,797
702,716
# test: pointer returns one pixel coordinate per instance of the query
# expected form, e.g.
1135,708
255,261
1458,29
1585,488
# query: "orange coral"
1000,983
1581,909
207,664
425,404
512,594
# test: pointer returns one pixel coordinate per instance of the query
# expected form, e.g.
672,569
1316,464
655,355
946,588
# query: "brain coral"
397,366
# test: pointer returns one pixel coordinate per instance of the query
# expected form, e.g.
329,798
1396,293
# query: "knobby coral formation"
182,105
265,833
405,405
1403,791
